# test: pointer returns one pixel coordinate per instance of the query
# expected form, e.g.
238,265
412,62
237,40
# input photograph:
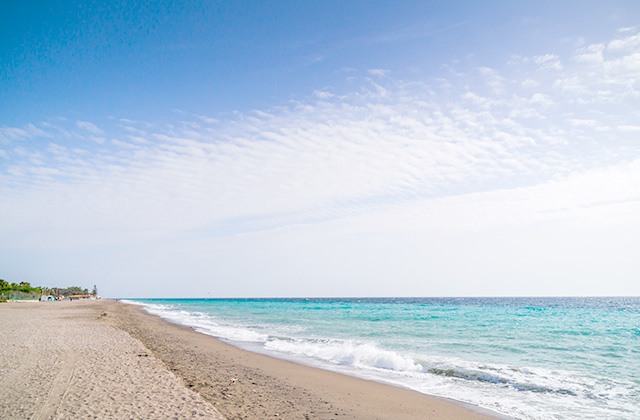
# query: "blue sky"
321,148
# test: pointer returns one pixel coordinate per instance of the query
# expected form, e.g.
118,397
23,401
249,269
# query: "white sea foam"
132,302
347,353
206,324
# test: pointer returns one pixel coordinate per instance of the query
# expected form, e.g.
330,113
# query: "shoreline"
365,396
212,376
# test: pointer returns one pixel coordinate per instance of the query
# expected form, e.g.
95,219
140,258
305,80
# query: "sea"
526,358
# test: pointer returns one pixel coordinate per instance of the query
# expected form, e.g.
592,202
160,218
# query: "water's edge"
517,358
301,361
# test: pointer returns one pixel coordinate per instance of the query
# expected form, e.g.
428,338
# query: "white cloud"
548,61
587,123
605,71
323,94
530,83
630,43
629,128
90,127
628,29
541,99
493,79
606,196
306,161
417,157
592,54
378,72
12,133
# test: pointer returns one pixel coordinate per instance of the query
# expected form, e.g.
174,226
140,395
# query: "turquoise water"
529,358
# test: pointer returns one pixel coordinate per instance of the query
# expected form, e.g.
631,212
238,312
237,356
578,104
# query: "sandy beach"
105,359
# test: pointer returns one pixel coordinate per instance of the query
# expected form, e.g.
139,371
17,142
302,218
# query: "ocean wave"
131,302
497,379
345,353
206,324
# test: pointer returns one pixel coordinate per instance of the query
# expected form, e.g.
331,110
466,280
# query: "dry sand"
104,359
61,360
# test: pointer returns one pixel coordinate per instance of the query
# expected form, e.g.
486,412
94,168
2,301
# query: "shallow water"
530,358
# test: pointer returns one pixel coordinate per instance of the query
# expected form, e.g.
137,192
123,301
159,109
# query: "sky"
304,148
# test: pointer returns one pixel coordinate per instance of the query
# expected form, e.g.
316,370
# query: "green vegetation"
24,291
66,291
18,291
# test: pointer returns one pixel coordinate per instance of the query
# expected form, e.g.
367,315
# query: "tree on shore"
24,290
75,290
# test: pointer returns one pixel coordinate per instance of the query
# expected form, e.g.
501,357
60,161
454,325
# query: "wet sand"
105,359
